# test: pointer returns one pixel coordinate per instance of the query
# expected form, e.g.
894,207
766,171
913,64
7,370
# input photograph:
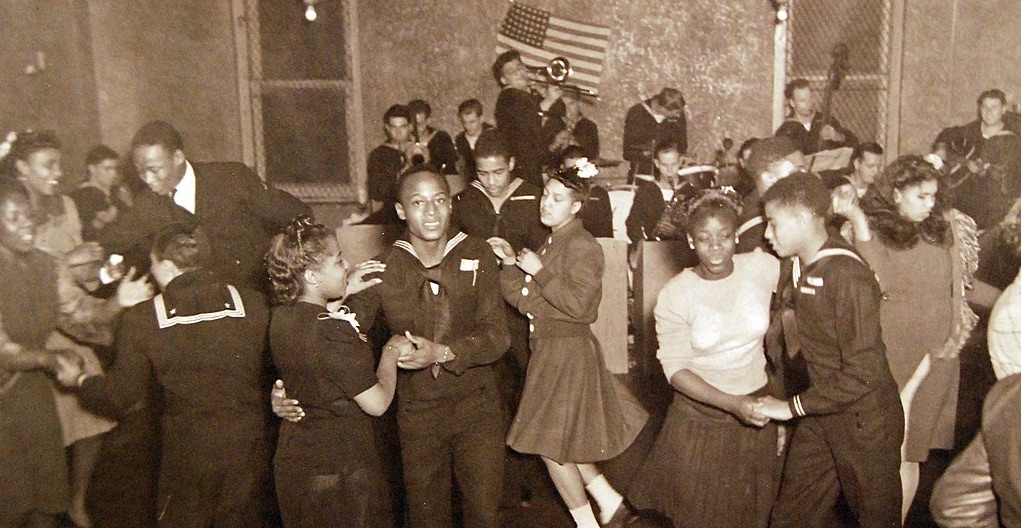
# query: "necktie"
434,322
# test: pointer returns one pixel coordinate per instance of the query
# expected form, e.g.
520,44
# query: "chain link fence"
815,31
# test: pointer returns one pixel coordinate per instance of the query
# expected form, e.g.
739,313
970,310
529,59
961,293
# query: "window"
300,98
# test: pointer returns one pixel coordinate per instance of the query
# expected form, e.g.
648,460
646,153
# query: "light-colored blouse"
715,328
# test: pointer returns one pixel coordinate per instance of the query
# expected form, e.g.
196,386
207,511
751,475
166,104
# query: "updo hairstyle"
720,202
300,247
572,179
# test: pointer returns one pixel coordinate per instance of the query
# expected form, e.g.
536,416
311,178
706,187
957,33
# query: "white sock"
606,497
583,517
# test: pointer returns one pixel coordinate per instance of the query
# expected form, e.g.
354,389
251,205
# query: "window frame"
251,86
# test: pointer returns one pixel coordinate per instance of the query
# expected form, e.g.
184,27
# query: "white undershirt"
184,193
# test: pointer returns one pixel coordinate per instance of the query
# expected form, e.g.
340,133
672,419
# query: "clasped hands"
759,411
414,352
67,366
410,351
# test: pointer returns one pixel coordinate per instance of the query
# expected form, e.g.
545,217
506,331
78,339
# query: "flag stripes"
540,37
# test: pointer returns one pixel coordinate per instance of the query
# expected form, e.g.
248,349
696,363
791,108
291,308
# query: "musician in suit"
649,122
470,114
984,161
529,123
237,212
807,127
866,164
597,214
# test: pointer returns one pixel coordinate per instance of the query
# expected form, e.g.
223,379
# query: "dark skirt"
331,477
707,469
32,461
572,409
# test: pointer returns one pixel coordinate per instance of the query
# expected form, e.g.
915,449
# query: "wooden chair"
657,263
610,327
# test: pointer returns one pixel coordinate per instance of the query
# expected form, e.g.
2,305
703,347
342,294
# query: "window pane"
305,136
294,48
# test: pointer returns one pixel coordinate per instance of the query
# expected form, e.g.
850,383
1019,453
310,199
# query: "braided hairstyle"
719,202
301,246
886,221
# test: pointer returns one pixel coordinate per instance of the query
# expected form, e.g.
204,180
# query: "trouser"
460,439
855,451
219,478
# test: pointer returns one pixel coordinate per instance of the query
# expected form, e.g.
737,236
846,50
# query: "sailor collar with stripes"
172,310
451,244
471,265
509,195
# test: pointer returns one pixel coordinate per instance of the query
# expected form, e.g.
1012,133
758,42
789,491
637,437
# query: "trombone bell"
559,69
556,73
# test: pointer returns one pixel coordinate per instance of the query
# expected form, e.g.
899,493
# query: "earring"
737,240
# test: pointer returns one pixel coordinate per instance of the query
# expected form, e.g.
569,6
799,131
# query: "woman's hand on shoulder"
132,291
356,276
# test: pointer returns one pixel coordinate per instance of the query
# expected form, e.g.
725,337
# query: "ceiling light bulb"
310,13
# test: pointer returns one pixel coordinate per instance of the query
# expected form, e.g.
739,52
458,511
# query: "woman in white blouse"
715,461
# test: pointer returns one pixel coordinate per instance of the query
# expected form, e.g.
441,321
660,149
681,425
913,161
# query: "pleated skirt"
707,469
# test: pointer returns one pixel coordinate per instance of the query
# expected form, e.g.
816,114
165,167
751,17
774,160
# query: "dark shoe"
622,517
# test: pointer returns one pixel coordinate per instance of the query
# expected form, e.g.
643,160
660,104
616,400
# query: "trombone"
556,73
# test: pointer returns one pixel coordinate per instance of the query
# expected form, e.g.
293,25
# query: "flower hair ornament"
586,169
934,160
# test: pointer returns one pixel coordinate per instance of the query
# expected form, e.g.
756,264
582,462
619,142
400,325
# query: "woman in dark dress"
328,472
573,412
924,255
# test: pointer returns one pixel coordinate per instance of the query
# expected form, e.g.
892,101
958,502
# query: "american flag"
540,37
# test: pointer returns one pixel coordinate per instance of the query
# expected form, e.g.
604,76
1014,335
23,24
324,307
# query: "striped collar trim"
750,223
166,319
451,244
